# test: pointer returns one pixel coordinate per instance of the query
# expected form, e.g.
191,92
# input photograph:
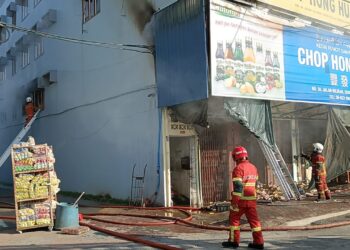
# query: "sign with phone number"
317,66
257,59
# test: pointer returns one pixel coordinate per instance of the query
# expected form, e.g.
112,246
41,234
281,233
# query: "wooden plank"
33,227
34,199
33,171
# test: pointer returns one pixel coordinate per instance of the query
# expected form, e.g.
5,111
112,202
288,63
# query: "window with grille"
14,114
38,45
39,98
11,12
3,73
36,2
3,117
13,62
90,9
25,57
1,91
3,34
14,66
25,9
14,19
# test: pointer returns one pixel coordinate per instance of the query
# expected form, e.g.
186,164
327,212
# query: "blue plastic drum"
67,215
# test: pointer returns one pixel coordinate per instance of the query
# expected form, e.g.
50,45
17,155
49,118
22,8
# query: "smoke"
142,12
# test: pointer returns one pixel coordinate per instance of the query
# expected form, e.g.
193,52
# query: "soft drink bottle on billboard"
220,55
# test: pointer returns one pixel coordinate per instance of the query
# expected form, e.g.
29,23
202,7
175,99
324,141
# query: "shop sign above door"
254,58
181,129
335,12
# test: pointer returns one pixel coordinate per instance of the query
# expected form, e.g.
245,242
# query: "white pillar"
166,158
295,150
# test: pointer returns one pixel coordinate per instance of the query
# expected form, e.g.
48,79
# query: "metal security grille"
216,143
214,164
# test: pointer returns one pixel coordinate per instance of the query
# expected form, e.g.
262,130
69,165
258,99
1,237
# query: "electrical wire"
97,102
87,104
148,49
129,47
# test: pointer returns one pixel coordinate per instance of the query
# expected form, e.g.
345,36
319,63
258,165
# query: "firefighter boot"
256,246
229,244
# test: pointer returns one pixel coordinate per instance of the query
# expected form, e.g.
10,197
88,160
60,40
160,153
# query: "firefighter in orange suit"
29,110
319,171
244,177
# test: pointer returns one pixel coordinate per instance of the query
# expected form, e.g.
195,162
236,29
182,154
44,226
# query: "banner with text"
336,12
251,58
246,55
317,66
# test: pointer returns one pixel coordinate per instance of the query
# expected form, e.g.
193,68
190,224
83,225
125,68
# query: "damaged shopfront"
227,75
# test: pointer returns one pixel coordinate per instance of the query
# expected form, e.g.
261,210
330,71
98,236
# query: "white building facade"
99,104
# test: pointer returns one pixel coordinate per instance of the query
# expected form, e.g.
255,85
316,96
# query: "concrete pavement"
335,238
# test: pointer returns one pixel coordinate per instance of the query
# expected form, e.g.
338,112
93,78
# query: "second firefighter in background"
319,174
243,200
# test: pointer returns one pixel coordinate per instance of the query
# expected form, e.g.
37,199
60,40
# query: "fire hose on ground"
167,220
187,220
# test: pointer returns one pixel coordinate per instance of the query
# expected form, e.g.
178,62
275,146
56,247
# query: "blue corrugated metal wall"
181,53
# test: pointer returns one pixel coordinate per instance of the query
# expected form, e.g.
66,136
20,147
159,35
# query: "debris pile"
75,230
311,193
341,188
218,206
269,193
304,189
303,186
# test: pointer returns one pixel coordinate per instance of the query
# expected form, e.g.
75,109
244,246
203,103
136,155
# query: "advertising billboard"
254,58
317,66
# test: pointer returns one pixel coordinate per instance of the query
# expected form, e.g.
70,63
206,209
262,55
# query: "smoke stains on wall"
141,11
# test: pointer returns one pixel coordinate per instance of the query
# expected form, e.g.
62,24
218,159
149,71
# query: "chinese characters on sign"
253,58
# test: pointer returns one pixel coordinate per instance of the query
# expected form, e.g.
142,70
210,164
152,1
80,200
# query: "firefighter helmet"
239,153
318,147
28,99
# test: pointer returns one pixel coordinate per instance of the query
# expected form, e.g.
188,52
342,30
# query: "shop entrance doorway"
181,164
183,170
